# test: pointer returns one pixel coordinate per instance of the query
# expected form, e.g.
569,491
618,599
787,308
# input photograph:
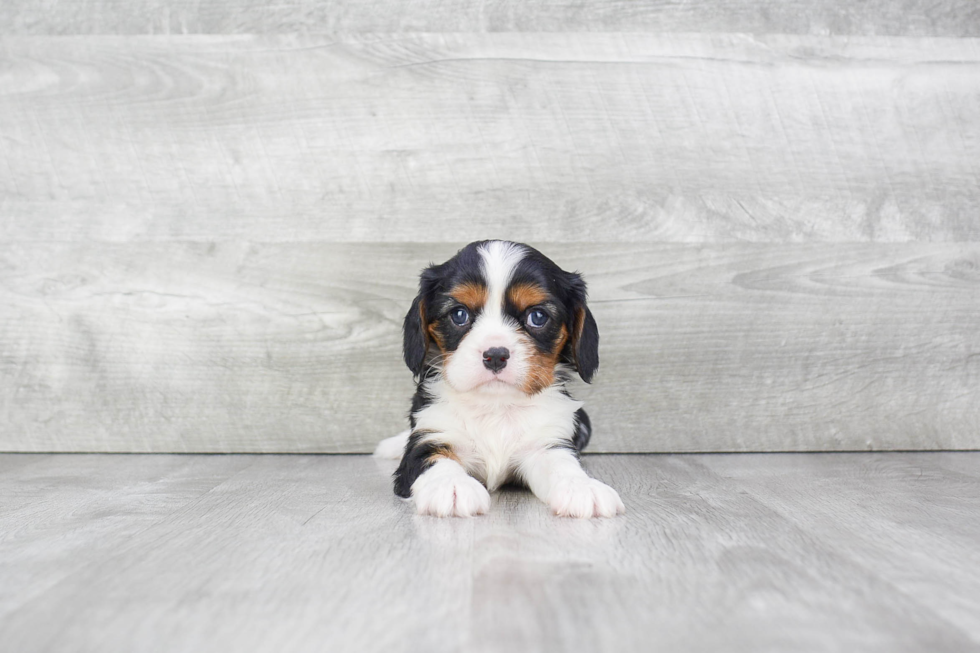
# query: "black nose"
495,358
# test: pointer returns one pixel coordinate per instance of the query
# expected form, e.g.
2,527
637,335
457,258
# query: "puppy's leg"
431,474
556,477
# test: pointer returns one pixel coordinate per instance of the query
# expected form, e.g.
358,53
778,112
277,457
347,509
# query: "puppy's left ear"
584,341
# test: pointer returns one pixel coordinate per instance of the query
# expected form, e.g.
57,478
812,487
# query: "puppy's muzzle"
495,358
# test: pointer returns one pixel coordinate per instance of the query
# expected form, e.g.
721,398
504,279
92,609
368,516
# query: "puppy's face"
500,317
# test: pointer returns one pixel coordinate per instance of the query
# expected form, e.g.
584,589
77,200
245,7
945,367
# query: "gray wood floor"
760,552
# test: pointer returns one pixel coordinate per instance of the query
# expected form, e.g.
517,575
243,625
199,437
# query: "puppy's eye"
460,316
537,318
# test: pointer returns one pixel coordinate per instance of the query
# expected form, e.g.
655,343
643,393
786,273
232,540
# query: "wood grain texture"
877,17
56,512
296,347
454,137
232,347
272,557
910,495
312,553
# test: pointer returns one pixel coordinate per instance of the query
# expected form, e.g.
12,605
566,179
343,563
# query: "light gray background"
213,214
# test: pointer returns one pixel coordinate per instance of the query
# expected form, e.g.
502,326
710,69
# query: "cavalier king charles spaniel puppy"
492,338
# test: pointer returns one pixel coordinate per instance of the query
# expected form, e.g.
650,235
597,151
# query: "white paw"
393,448
446,490
584,498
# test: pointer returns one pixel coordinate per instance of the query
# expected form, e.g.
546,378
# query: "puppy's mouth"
495,384
495,381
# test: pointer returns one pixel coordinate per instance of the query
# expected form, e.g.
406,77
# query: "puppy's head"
499,316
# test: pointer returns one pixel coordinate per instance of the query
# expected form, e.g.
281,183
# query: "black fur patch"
581,434
583,430
416,460
420,400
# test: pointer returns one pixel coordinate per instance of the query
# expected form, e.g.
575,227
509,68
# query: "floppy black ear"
585,343
415,342
583,346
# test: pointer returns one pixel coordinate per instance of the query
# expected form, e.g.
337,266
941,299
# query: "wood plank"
296,347
877,17
919,532
696,564
292,554
766,348
968,465
312,553
533,137
13,463
194,347
56,514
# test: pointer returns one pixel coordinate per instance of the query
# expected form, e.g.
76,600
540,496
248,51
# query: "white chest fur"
492,429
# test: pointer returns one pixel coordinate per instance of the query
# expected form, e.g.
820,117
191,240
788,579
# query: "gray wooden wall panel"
207,242
452,137
874,17
295,347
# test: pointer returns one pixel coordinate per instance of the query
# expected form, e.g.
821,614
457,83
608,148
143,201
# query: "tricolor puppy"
493,336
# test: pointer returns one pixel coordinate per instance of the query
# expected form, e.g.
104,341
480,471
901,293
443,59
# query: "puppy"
492,338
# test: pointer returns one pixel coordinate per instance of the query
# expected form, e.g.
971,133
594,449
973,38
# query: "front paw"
584,498
445,492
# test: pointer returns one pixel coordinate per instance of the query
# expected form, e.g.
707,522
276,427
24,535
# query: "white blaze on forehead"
500,258
464,369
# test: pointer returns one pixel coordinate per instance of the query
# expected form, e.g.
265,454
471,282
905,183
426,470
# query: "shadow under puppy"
493,336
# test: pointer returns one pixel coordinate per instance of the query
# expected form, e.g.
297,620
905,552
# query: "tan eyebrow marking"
472,295
525,295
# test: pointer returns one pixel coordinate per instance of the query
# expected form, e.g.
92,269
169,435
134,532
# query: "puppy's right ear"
416,341
415,344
